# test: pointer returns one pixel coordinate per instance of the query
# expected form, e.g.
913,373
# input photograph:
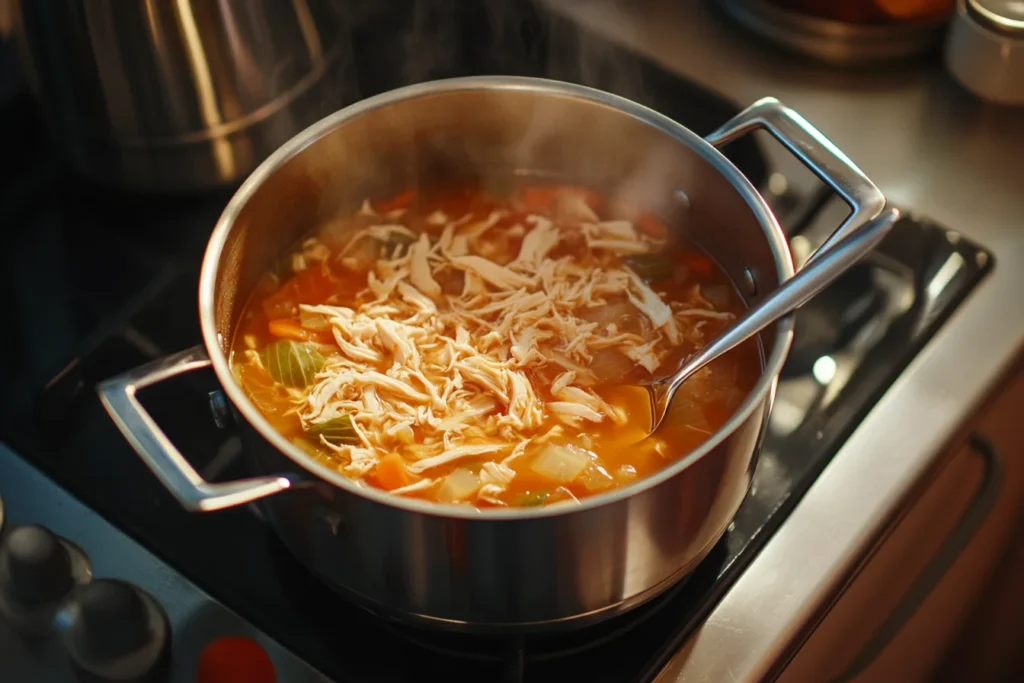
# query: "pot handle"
157,451
816,152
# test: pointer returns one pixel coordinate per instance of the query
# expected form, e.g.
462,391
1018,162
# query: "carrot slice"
399,201
285,328
391,472
288,329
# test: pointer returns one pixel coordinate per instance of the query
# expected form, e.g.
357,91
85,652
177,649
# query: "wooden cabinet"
912,596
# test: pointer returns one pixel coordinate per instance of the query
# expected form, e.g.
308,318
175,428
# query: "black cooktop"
97,282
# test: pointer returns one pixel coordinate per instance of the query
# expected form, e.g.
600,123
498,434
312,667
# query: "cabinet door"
913,593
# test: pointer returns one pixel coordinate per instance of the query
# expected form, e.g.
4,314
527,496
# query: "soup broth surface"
464,347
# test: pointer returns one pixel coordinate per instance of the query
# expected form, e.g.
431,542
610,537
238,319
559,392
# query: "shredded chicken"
537,244
490,272
452,455
445,378
419,274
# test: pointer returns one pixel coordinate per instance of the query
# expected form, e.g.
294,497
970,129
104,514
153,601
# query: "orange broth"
703,404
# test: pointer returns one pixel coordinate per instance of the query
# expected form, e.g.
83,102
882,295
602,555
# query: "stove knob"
35,568
117,632
37,572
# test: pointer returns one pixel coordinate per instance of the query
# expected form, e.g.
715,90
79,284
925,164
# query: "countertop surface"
933,149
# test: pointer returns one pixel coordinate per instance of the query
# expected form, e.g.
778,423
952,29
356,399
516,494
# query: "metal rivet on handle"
749,283
683,199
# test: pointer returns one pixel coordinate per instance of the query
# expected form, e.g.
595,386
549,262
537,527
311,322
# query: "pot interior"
491,131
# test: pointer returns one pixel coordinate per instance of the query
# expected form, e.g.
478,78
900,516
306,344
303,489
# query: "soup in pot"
460,346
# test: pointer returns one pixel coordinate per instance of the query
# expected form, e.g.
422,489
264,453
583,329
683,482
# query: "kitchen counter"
933,149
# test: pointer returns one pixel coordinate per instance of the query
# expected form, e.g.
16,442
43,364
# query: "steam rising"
432,39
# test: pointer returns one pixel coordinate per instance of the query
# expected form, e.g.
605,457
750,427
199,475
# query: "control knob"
115,631
38,570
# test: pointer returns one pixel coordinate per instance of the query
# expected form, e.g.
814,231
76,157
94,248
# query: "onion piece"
610,365
458,485
560,463
595,477
626,474
313,321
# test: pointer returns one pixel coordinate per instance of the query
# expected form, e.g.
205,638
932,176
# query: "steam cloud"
424,40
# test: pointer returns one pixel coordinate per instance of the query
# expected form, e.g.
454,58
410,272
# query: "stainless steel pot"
185,95
456,566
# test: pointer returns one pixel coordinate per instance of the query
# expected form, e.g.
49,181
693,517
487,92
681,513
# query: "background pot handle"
157,451
817,152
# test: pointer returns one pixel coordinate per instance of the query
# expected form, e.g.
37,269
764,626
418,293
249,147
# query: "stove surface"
101,282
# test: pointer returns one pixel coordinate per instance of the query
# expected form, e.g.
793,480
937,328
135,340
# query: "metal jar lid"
985,49
1005,17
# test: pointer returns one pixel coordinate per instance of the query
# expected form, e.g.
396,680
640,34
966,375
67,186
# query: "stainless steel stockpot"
186,95
457,566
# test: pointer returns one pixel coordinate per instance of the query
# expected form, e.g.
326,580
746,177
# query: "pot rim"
761,392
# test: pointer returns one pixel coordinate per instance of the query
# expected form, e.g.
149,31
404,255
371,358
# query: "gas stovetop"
99,282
